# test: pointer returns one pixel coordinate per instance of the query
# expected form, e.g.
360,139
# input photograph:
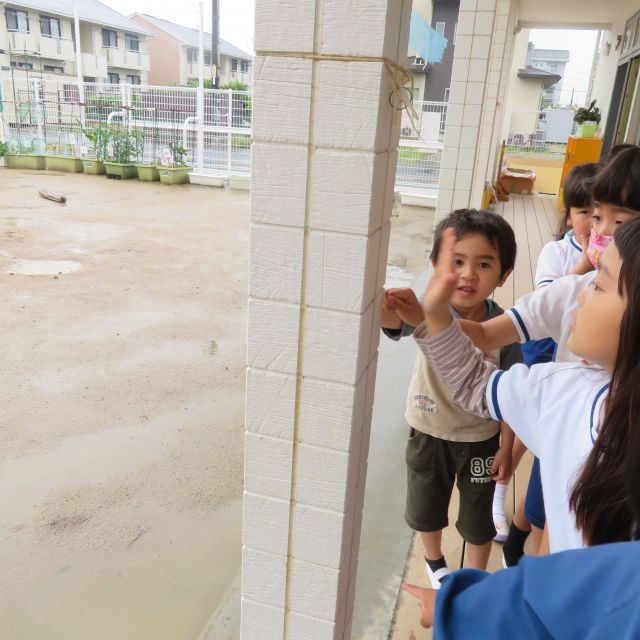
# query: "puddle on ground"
42,267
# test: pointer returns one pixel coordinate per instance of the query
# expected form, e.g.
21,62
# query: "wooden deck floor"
534,220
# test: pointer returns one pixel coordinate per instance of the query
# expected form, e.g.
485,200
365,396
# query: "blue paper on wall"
427,42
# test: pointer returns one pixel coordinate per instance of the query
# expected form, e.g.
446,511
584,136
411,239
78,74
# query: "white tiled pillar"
475,79
324,157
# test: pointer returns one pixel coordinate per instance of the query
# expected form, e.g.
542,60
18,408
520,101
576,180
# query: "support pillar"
325,135
473,99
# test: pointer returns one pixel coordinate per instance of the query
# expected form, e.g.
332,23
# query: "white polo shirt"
546,313
557,259
555,409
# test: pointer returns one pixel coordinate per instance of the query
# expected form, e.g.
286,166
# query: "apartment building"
174,54
39,35
553,61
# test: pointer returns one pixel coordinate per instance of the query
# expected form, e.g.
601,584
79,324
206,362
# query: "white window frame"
50,20
130,37
441,27
110,46
18,13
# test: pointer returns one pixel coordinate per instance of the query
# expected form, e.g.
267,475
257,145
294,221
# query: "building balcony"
94,65
192,71
124,59
46,47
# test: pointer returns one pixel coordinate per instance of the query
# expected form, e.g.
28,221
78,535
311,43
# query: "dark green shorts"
433,465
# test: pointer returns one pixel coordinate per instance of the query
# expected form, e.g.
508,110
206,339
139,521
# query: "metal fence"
44,116
421,143
540,134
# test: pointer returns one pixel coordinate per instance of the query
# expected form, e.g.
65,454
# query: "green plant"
235,85
98,136
178,155
587,114
127,145
241,142
4,148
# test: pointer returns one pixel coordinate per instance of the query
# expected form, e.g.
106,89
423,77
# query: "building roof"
90,11
532,73
189,37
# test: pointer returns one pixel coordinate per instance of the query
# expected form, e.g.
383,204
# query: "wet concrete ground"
123,346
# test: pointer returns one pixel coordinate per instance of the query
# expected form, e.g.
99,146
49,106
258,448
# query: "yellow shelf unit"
579,151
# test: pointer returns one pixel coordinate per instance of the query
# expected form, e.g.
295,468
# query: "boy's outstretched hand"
427,599
405,305
441,286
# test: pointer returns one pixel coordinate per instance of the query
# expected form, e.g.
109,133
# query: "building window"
133,79
70,93
113,78
455,33
207,58
109,38
17,20
89,78
234,64
192,55
131,43
52,69
244,66
18,64
50,27
440,28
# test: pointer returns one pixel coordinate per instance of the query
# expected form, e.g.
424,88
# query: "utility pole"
215,41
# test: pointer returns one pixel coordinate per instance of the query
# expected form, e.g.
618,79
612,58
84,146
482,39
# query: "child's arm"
389,318
502,462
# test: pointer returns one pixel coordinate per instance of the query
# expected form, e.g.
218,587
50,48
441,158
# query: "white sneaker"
438,576
502,531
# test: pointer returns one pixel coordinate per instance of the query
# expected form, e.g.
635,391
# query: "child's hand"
441,286
405,304
427,599
501,467
389,318
584,265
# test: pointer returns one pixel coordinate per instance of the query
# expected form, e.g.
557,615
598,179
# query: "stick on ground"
56,197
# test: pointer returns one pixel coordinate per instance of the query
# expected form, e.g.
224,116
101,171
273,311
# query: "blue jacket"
583,594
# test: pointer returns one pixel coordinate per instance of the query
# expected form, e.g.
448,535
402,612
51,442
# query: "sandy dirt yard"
121,422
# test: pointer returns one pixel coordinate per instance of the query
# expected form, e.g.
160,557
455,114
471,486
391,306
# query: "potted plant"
64,157
98,136
3,151
126,148
587,120
23,155
175,169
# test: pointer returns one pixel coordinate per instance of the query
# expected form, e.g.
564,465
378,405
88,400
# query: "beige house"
174,54
38,35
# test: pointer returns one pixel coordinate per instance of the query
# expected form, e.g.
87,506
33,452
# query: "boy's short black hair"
492,226
618,181
578,187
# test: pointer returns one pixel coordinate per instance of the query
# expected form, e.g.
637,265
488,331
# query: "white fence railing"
45,116
420,148
543,133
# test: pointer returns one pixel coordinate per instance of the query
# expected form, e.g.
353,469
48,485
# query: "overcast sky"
236,16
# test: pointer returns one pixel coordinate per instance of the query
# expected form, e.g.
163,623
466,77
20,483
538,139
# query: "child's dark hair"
577,192
492,226
617,149
606,496
618,182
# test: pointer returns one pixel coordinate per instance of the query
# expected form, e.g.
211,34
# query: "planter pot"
148,172
174,175
121,170
25,161
58,163
586,129
93,166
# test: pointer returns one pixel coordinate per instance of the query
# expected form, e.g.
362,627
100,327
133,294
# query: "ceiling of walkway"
574,12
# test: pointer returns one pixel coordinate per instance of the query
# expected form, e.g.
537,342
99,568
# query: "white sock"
498,502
